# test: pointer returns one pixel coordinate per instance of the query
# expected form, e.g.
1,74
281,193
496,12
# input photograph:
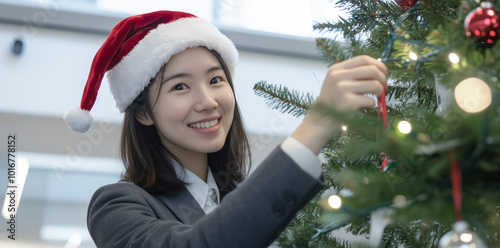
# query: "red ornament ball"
407,4
483,24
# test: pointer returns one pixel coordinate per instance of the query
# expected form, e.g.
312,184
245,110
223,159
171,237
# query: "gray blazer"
124,215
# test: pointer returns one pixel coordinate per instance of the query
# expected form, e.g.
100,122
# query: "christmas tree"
415,178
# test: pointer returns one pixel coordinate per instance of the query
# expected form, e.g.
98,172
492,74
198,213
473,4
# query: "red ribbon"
456,184
382,110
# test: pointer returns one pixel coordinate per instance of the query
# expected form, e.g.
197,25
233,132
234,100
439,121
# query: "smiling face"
193,104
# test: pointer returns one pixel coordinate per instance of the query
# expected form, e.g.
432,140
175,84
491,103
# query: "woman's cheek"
229,98
173,109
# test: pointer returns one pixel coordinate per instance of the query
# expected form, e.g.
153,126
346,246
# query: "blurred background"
46,48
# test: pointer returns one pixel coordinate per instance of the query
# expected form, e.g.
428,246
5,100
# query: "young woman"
183,142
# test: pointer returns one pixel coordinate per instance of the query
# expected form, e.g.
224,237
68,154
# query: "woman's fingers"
360,61
362,87
347,82
349,101
359,68
363,73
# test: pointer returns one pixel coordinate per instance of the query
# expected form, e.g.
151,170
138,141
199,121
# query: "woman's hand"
344,89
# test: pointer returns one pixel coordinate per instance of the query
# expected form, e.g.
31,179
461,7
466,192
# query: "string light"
379,60
473,95
334,201
454,58
466,237
413,56
344,128
404,127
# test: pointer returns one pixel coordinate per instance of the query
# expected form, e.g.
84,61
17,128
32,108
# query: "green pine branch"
280,97
333,51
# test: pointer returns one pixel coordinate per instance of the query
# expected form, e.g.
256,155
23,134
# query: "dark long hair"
148,164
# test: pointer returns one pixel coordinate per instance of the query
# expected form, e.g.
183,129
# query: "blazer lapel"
183,206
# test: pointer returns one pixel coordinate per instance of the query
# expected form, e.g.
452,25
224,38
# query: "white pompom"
78,120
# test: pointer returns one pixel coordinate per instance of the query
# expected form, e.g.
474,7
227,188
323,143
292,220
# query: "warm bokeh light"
404,127
400,201
454,58
466,237
334,201
413,56
344,128
473,95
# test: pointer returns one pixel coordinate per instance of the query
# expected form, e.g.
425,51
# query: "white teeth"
206,124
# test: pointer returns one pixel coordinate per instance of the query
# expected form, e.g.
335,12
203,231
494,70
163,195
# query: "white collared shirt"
199,189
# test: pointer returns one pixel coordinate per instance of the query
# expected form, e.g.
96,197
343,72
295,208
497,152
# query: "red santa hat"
134,52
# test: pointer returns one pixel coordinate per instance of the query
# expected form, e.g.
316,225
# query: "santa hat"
134,52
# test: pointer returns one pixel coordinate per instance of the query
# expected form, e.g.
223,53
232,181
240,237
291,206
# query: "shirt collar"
197,187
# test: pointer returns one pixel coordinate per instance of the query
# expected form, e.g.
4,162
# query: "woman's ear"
143,117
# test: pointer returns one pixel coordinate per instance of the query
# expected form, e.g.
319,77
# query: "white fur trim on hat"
133,73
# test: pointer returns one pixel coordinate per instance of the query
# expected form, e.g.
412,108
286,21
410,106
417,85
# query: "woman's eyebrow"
178,75
215,68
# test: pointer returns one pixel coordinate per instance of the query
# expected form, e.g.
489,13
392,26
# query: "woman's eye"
215,80
179,87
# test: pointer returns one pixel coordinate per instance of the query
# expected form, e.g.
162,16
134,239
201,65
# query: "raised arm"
344,89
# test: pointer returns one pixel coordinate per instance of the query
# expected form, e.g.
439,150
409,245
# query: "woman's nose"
205,99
